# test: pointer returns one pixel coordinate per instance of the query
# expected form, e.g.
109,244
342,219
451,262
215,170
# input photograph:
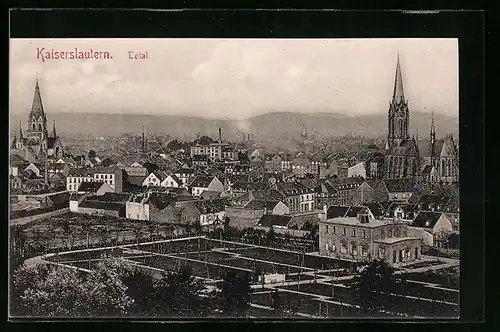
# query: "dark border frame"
467,26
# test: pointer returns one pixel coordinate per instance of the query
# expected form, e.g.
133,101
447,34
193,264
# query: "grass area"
79,231
292,258
423,264
448,278
395,304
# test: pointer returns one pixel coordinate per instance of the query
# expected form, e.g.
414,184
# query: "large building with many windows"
363,239
110,175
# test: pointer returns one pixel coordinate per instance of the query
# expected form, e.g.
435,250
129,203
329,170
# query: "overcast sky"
237,78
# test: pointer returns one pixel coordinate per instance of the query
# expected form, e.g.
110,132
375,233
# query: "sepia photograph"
184,178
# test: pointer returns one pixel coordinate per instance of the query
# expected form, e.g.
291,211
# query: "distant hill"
266,126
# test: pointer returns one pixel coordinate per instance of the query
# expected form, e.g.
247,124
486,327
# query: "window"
326,229
382,234
381,252
343,247
364,250
333,229
363,232
343,231
354,232
390,233
354,248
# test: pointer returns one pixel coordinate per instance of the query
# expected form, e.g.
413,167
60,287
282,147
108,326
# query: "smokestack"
243,136
220,143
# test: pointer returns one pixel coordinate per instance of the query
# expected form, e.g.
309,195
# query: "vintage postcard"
250,178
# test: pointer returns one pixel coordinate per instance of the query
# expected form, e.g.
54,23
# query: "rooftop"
269,220
391,240
353,221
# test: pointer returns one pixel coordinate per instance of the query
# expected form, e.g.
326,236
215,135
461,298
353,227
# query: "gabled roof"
426,216
57,167
376,209
112,197
135,180
175,178
161,175
211,205
209,194
189,171
399,185
336,211
258,204
59,197
292,188
309,183
249,185
16,160
269,220
161,201
202,181
354,210
91,186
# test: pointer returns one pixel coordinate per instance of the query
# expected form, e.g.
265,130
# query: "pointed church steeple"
398,116
54,133
20,131
433,129
37,106
398,94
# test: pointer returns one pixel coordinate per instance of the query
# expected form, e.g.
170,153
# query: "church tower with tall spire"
37,121
36,145
398,115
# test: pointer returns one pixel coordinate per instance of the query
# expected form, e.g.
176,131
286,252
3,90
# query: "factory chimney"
220,143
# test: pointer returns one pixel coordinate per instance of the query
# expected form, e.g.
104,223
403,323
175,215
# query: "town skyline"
238,79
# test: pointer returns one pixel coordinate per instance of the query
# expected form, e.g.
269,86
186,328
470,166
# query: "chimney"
220,143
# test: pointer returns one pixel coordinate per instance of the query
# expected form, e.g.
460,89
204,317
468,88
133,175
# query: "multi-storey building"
110,175
296,196
362,238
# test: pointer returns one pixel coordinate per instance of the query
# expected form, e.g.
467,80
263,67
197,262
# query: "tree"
150,167
234,296
454,240
178,295
54,291
373,284
270,236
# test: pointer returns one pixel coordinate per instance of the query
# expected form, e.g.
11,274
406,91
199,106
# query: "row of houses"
321,166
152,206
